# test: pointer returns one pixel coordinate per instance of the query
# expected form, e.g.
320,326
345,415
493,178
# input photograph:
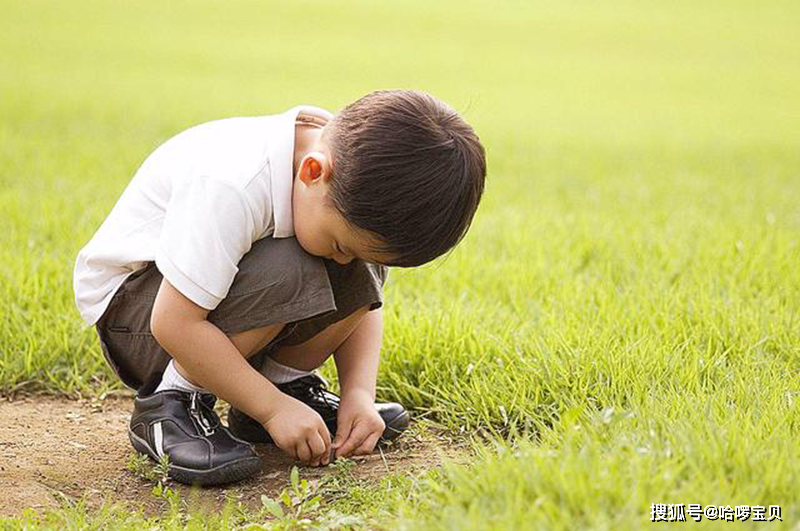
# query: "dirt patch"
50,447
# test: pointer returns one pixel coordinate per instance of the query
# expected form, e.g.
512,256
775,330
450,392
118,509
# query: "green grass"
636,249
298,506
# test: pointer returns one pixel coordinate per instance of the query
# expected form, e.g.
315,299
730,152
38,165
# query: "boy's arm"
357,360
212,361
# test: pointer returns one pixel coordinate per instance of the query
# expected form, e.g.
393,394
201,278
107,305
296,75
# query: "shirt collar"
281,158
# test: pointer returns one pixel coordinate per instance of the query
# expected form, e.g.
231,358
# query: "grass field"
622,319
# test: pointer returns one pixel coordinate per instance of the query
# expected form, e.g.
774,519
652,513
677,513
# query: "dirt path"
79,448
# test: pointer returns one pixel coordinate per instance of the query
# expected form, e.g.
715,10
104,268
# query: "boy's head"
398,178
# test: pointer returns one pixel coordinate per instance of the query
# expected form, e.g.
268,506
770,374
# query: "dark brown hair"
407,168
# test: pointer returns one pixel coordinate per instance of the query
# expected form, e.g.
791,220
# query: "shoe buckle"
197,415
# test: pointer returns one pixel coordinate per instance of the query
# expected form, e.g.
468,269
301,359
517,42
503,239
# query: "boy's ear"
314,166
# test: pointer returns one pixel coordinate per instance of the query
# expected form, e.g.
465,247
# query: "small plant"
141,466
295,506
161,469
172,497
295,503
343,465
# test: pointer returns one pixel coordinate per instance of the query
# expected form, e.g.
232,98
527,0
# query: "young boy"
246,251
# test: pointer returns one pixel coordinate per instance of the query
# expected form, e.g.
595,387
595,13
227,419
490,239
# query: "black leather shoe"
185,427
312,391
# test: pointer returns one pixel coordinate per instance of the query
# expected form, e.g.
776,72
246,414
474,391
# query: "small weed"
139,465
161,469
142,467
343,466
172,497
297,506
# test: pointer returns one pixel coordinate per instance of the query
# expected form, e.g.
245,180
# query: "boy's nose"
343,260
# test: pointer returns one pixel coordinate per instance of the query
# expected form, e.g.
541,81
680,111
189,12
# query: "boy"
246,251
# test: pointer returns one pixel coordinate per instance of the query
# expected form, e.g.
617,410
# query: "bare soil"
54,447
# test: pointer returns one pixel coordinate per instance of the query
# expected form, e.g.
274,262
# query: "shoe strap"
200,412
316,386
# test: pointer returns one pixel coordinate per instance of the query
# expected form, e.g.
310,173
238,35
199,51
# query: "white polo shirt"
195,207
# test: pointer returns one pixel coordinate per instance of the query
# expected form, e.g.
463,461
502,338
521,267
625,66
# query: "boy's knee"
277,281
276,260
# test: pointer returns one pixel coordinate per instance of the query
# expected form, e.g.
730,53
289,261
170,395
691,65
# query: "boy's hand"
359,426
299,431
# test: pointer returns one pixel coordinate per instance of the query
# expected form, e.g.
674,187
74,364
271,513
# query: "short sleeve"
208,227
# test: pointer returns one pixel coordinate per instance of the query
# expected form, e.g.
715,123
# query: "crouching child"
246,251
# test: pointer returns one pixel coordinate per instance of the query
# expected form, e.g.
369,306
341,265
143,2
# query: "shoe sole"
227,473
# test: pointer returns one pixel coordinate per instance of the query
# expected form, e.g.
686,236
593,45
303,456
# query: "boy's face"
318,226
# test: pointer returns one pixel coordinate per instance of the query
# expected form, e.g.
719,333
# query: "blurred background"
631,144
623,138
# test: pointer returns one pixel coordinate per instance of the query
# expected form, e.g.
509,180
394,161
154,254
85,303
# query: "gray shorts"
277,282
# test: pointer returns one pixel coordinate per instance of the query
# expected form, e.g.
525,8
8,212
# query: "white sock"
172,379
280,374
